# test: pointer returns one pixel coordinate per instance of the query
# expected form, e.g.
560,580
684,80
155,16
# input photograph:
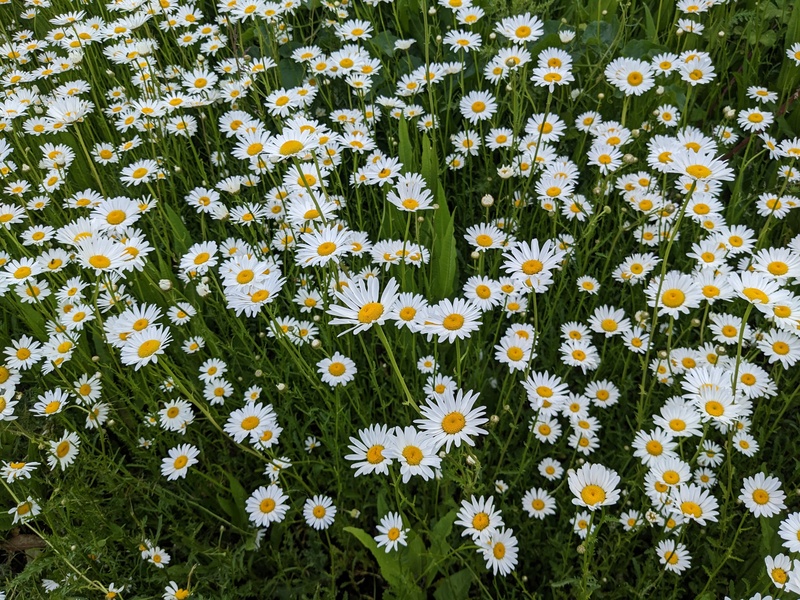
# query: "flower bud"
165,285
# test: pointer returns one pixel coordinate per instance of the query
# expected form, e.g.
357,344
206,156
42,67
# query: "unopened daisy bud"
111,423
596,191
510,63
581,461
629,159
420,219
695,322
679,33
509,87
442,454
721,350
432,10
581,549
95,358
494,419
493,36
721,34
315,318
662,354
487,200
635,133
355,513
72,547
600,96
165,285
475,255
316,344
575,93
659,91
438,37
258,373
26,168
607,209
281,387
261,334
470,461
604,13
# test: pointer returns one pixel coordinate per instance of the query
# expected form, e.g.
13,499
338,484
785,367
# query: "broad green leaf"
443,253
389,564
178,231
404,146
439,534
454,587
649,23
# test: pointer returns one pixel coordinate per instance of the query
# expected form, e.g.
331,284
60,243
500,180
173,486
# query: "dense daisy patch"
310,298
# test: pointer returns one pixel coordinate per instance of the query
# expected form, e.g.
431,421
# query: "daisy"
13,471
337,370
609,321
363,304
538,503
25,511
778,345
410,194
579,353
594,486
499,548
143,347
320,247
267,505
762,495
545,390
477,106
631,76
745,443
451,320
527,260
514,352
319,512
694,503
178,461
779,569
453,418
789,531
63,451
588,284
249,421
409,310
368,450
676,293
479,517
602,393
416,453
550,469
391,532
653,446
485,236
673,556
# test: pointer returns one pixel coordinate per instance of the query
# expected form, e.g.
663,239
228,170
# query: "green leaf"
440,547
405,150
385,41
454,587
178,231
389,564
443,253
649,24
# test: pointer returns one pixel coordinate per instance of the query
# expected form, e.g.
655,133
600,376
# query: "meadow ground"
398,299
